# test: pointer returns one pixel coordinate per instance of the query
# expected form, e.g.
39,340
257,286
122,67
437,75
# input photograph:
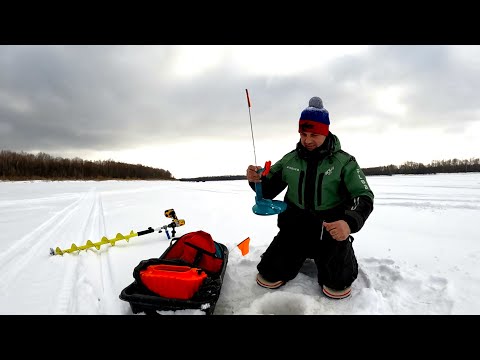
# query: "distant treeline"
215,178
435,167
443,166
25,166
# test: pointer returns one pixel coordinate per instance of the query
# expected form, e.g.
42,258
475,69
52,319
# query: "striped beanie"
314,118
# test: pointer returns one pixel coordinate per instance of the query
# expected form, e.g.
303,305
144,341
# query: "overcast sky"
184,108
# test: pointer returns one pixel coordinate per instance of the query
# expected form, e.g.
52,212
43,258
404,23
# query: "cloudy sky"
184,108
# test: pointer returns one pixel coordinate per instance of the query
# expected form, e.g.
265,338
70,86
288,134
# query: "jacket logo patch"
329,171
292,168
362,180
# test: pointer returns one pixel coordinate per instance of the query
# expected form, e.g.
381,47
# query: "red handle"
267,168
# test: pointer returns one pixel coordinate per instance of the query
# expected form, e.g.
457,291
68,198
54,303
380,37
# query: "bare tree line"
42,166
436,166
444,166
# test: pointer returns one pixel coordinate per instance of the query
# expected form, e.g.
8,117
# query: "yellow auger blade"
96,245
170,213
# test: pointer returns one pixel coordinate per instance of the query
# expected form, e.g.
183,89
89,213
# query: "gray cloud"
56,98
439,91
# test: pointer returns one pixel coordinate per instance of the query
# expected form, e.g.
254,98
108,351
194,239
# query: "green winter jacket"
326,183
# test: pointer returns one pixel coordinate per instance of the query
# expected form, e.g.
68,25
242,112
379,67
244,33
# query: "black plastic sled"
188,275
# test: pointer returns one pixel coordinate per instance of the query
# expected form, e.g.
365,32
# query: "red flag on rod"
248,99
244,246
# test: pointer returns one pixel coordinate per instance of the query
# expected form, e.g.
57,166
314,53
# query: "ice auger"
170,213
266,206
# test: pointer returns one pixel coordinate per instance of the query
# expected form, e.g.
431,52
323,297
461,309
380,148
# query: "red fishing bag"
198,249
190,262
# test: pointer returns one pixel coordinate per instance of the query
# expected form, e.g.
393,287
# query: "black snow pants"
336,263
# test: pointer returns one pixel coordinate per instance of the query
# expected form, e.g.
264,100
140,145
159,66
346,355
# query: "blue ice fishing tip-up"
266,206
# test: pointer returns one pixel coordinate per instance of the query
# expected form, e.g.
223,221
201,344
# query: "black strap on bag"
200,253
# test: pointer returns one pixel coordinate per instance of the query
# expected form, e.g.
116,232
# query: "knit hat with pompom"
314,118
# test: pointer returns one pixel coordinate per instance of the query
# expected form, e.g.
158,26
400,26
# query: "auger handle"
148,231
266,169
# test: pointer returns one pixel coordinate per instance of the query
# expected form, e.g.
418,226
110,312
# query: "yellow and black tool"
170,213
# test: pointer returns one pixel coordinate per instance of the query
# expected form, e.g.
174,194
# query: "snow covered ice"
418,253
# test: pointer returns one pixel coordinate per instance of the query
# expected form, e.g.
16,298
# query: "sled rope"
170,213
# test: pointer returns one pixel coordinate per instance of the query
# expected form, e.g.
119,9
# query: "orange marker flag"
244,246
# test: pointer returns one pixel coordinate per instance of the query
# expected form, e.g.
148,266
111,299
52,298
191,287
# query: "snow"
418,253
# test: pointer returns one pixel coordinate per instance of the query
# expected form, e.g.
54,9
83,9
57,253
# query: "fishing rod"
170,213
251,126
263,206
